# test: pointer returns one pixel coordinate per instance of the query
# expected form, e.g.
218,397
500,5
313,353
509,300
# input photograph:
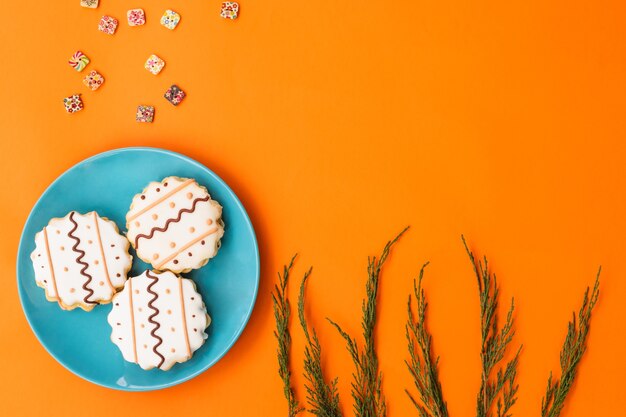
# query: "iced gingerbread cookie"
158,319
80,260
175,225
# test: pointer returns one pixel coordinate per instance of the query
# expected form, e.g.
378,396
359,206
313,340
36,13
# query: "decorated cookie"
80,260
136,17
93,80
145,114
78,61
230,10
158,319
73,103
170,19
175,225
174,95
154,64
91,4
108,25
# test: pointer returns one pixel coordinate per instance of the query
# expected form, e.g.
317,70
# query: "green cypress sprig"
572,351
282,313
369,400
422,364
498,384
322,395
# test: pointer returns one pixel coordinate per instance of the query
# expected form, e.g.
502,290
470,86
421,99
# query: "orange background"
337,124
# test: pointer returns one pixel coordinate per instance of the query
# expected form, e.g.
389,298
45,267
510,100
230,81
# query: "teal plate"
106,183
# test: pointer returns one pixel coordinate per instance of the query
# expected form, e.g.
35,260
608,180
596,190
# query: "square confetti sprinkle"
107,25
78,61
174,95
73,103
230,10
93,80
145,114
154,64
170,19
91,4
136,17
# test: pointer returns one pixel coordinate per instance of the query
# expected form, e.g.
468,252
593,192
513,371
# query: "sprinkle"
78,61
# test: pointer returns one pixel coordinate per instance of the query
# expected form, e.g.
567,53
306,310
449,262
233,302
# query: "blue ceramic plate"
228,283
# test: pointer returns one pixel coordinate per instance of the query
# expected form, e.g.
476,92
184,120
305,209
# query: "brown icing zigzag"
81,254
169,221
151,317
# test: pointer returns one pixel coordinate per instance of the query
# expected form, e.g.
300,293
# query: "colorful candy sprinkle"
108,25
145,114
93,80
78,61
230,10
136,17
170,19
174,95
73,103
154,64
91,4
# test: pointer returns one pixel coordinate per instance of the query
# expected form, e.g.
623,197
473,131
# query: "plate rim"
256,252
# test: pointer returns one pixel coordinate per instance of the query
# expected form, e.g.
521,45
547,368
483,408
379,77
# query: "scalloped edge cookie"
175,225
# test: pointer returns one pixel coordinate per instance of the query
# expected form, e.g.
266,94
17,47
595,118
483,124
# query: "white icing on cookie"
80,260
175,225
158,319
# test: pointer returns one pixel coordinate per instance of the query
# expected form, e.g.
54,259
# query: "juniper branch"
500,390
322,395
572,351
369,400
422,365
282,313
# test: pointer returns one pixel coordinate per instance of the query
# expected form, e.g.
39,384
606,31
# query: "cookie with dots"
175,225
158,320
80,260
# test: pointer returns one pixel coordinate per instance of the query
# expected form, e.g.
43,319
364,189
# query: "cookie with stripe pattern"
158,320
80,260
175,225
